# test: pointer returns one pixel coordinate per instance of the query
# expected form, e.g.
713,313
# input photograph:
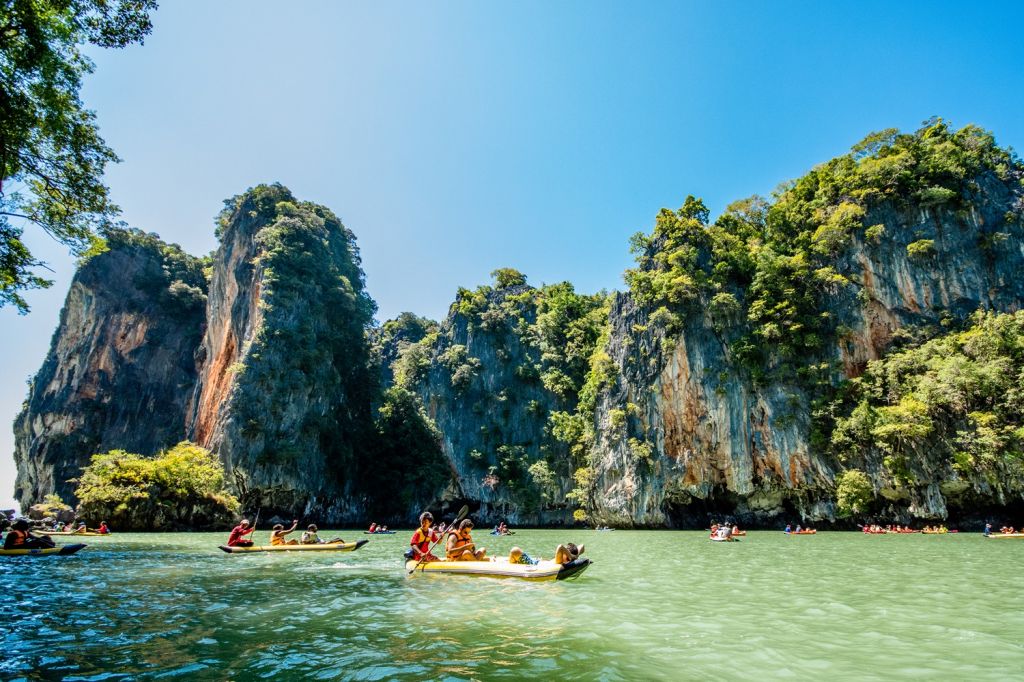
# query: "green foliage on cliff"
312,345
407,468
776,265
52,157
536,344
853,492
172,279
180,488
955,402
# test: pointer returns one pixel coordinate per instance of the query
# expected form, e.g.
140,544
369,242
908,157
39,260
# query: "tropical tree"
52,157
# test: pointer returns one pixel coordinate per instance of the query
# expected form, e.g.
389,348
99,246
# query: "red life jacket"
421,541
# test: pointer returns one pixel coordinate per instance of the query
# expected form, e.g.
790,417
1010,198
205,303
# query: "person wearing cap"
310,537
21,538
238,533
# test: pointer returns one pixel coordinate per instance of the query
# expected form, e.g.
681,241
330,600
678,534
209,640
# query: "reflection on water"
655,605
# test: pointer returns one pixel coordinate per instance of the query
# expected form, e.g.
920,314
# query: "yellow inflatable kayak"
1004,536
86,534
501,568
47,551
325,547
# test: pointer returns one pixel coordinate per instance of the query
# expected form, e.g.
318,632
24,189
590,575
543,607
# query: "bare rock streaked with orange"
724,444
285,383
120,368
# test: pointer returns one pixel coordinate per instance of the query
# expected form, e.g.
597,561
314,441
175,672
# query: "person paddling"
238,533
423,538
103,529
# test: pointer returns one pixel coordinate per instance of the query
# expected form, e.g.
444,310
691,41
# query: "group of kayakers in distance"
1003,530
374,528
875,529
238,536
725,531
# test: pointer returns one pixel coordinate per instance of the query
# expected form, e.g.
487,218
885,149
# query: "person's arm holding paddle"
462,515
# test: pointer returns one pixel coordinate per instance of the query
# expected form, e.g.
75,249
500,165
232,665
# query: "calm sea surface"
657,605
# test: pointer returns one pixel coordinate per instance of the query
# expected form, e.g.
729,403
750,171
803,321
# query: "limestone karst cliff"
731,351
507,360
752,364
120,369
285,384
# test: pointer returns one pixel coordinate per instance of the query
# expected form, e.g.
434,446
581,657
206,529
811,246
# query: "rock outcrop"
285,384
120,370
753,444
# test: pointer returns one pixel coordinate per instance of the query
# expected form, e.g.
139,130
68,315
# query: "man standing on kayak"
238,533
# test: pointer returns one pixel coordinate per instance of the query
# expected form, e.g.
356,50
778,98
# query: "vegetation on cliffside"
767,271
951,409
534,344
311,345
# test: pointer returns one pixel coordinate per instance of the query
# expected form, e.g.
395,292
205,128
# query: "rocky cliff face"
130,325
284,387
754,444
489,379
723,382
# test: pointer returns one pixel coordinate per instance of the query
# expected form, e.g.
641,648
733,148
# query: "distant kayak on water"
379,532
323,547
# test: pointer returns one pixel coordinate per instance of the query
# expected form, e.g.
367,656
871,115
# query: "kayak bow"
45,551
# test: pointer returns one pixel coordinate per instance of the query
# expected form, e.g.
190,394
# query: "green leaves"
956,401
50,148
181,487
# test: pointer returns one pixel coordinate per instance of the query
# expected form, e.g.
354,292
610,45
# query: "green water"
835,605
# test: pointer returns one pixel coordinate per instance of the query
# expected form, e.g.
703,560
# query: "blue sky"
454,138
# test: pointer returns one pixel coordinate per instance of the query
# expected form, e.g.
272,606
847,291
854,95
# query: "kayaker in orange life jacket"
21,538
423,537
460,545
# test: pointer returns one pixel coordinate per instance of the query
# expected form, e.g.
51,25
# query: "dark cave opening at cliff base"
698,514
974,515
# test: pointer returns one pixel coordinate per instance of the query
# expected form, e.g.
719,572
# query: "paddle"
252,536
462,515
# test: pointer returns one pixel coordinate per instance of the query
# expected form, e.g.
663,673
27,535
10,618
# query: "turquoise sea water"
658,605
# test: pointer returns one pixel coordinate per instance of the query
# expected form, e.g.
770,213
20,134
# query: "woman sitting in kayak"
278,533
310,537
104,529
460,546
21,538
238,533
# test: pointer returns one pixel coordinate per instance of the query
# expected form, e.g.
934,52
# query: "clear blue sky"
457,137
